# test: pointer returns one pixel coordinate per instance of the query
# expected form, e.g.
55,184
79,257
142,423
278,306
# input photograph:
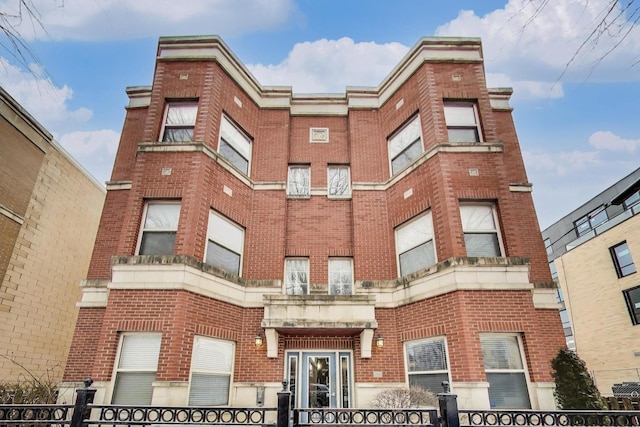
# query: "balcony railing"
601,228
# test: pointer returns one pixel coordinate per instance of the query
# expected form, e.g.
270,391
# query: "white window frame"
209,371
291,188
496,224
347,193
286,275
332,266
434,372
144,230
453,124
238,141
214,236
165,125
524,370
402,139
118,370
400,230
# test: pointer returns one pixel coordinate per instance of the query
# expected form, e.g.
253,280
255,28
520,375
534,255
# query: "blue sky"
576,115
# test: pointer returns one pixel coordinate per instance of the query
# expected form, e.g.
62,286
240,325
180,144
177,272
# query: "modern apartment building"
345,243
591,253
49,213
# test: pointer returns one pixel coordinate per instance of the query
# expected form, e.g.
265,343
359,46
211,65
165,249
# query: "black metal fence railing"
154,415
35,415
548,418
84,414
368,417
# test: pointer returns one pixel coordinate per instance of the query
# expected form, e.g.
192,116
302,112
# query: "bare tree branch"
11,39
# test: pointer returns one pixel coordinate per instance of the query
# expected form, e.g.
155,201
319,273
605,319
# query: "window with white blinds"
480,230
211,370
179,121
234,146
159,228
405,145
427,364
505,371
136,369
225,242
462,122
414,245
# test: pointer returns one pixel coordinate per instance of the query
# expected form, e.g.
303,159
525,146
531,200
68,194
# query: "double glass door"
319,379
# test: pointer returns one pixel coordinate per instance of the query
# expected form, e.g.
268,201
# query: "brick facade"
49,213
137,294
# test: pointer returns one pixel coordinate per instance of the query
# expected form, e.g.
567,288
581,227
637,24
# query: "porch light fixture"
258,339
379,341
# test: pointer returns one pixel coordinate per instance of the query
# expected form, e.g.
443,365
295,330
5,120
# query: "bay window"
159,229
211,372
405,145
479,224
427,365
179,121
414,245
136,369
225,242
234,146
505,371
462,121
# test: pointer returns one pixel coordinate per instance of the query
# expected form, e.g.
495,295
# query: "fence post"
284,399
448,407
81,410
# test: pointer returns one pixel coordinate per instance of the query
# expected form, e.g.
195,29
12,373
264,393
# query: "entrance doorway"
319,379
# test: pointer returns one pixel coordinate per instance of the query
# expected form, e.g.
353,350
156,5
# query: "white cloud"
95,150
610,141
331,65
536,39
49,105
561,163
526,88
564,180
86,143
124,19
45,101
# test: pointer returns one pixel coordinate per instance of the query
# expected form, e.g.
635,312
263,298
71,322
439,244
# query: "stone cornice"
213,48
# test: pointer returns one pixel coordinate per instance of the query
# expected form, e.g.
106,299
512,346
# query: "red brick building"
346,243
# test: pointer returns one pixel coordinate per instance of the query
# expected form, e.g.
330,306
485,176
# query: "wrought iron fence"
368,417
548,418
84,414
123,415
35,415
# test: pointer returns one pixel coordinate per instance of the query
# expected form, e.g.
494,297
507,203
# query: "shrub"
575,388
412,397
29,388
